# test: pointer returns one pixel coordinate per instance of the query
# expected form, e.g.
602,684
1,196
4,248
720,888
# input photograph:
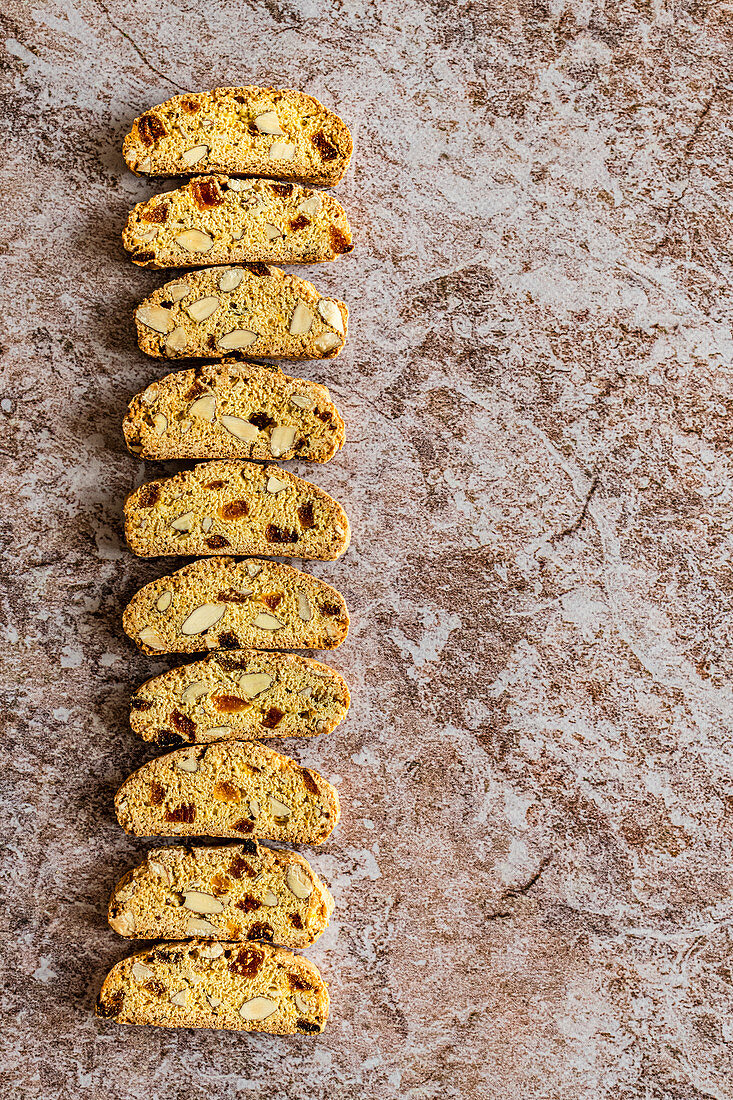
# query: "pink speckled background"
533,872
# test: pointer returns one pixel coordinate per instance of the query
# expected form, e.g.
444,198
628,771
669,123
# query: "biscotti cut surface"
242,987
233,409
254,310
220,603
243,694
230,789
235,508
218,220
247,131
233,892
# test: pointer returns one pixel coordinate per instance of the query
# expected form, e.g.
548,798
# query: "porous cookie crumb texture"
254,310
233,892
235,508
229,789
243,694
220,220
234,409
247,131
230,985
220,603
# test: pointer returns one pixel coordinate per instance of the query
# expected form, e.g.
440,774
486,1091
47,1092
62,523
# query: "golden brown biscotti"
246,131
219,220
242,987
221,603
254,310
231,892
243,694
229,789
235,508
233,409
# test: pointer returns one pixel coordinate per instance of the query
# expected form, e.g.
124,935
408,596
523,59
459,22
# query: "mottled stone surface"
533,872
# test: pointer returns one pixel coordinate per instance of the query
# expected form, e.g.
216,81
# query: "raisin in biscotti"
220,603
254,310
247,131
229,789
242,694
218,220
235,892
242,987
235,508
232,409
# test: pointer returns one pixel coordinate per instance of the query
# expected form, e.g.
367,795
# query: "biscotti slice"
220,603
218,220
254,310
241,987
229,789
232,892
235,508
233,409
247,131
242,694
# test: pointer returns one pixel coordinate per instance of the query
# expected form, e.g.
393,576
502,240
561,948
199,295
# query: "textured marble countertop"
533,872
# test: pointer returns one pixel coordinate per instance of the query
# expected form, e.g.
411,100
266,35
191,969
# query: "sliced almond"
275,484
192,156
266,621
216,732
151,395
183,523
301,401
269,123
298,882
203,308
272,232
152,639
197,926
301,321
210,950
147,235
124,924
327,341
282,150
193,691
254,807
253,568
239,428
279,808
301,1004
164,600
241,185
281,440
202,618
331,314
204,407
160,423
270,899
213,1001
312,205
305,611
258,1008
231,278
207,523
180,998
154,317
195,240
177,291
145,164
140,971
237,338
188,764
199,902
177,339
253,684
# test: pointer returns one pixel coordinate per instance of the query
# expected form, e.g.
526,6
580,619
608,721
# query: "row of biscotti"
241,892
